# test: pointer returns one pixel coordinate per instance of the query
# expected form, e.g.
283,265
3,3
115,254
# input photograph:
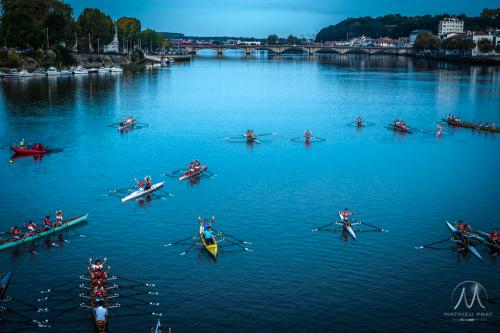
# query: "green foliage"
98,25
460,44
497,48
485,45
426,41
24,22
292,40
150,39
128,27
137,56
396,25
10,59
272,39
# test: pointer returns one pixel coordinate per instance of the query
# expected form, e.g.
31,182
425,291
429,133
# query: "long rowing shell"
348,228
64,225
197,172
456,233
26,151
122,127
472,126
141,192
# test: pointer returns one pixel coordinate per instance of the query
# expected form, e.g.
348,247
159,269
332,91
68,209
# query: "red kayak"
27,151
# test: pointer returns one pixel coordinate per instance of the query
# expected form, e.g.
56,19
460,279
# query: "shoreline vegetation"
44,33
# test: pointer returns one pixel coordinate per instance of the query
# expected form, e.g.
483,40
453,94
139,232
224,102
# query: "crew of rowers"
31,227
439,130
194,166
98,279
401,124
146,184
127,121
206,229
456,120
36,146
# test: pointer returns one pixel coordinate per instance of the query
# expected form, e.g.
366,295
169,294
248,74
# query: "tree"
98,25
128,27
272,39
485,45
292,40
59,21
497,48
426,41
150,39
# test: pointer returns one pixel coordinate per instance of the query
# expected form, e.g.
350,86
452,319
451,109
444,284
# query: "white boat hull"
139,193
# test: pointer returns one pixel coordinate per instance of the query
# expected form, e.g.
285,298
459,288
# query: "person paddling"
100,312
59,217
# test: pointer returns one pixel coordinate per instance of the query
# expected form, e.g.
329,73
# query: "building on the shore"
476,36
414,34
248,43
114,46
449,25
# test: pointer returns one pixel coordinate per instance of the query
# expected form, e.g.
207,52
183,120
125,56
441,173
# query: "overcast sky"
259,18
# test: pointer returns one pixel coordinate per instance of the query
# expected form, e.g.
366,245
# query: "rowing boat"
122,127
251,138
348,228
101,326
27,151
472,126
211,248
400,128
4,244
141,192
457,234
189,174
4,284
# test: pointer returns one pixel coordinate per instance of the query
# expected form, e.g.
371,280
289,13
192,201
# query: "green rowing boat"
4,244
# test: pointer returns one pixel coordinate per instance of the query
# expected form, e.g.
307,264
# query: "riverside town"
249,166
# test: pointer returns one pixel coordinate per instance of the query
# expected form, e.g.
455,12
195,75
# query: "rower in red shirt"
307,135
495,235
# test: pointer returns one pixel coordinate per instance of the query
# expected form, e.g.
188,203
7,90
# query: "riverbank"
490,61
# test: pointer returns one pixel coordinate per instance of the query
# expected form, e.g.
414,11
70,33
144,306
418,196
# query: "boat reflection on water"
36,157
145,201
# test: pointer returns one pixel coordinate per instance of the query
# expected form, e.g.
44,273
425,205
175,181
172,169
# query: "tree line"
46,24
396,25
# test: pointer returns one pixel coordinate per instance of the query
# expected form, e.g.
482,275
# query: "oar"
256,141
120,189
372,226
177,242
236,239
186,250
324,226
241,246
431,244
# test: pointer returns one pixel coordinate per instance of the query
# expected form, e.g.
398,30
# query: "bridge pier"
219,50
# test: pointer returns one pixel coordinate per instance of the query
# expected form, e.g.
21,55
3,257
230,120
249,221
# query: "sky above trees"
259,18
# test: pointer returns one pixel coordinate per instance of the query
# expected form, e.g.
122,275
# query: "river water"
271,194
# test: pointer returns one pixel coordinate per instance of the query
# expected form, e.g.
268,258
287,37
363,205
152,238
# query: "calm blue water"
270,194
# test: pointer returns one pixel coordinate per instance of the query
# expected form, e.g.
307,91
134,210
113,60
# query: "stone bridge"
309,49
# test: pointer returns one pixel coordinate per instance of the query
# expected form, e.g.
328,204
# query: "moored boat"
20,239
196,172
80,70
11,74
141,192
25,73
116,69
104,70
52,71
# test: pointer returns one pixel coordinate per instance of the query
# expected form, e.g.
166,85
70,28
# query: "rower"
197,164
140,184
97,265
31,226
22,143
208,235
59,217
493,126
249,134
148,182
495,235
346,213
15,231
439,130
359,121
307,135
100,312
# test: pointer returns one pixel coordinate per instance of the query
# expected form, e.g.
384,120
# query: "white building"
114,46
476,37
450,25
